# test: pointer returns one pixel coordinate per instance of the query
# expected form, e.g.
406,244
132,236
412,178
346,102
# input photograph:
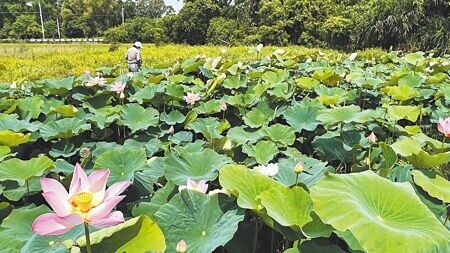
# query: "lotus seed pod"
85,152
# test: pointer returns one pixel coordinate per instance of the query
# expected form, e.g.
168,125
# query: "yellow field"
38,61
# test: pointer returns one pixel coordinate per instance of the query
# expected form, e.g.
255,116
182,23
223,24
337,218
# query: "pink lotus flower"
181,246
200,186
270,170
86,72
93,81
118,87
444,126
86,202
191,98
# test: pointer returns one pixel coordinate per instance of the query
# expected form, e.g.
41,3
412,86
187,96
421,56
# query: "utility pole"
123,15
42,21
57,27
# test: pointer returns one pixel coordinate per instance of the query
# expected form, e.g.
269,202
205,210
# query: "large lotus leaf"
424,160
59,87
138,235
342,148
172,117
259,115
383,216
5,151
23,170
314,170
401,92
183,165
160,198
240,136
280,133
403,112
306,83
30,107
327,76
15,229
389,156
235,81
203,222
436,78
366,82
263,151
345,114
64,128
10,122
316,228
208,127
137,117
406,147
104,116
434,184
64,110
290,207
122,163
15,192
52,244
209,107
12,139
300,117
146,94
246,185
414,58
411,79
275,77
318,245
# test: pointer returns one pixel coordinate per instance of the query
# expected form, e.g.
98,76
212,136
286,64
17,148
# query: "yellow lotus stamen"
83,201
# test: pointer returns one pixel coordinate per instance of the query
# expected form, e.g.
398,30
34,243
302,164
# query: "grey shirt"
133,56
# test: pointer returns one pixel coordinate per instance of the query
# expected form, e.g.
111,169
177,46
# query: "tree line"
340,24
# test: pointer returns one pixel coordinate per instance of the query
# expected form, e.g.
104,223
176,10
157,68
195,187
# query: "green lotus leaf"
399,112
172,118
15,192
272,77
434,184
175,91
327,76
259,115
316,228
436,78
366,82
191,65
246,185
401,92
208,127
64,149
65,110
235,81
5,152
291,207
314,171
280,134
317,245
203,165
240,136
160,198
240,100
203,222
306,83
183,136
383,216
411,79
263,151
209,107
59,87
10,122
351,241
24,170
122,163
389,156
424,160
12,139
64,128
53,244
406,147
301,116
15,229
137,117
146,94
345,114
30,107
139,234
414,58
104,116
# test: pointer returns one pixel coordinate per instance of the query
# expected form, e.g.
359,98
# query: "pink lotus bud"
181,246
171,130
372,138
223,106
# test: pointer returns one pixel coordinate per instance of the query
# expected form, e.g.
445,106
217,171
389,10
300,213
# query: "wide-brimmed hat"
137,44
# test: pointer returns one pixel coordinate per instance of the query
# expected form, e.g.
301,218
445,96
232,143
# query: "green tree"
25,27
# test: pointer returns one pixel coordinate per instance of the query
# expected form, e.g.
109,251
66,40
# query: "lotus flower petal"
102,210
112,219
52,224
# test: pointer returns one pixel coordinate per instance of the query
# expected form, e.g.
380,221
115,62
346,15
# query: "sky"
176,4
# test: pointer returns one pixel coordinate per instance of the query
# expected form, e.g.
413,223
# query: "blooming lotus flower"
223,106
86,202
270,170
86,72
93,81
444,126
191,98
200,186
372,138
13,85
118,87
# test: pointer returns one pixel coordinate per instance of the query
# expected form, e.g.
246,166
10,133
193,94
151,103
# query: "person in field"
133,57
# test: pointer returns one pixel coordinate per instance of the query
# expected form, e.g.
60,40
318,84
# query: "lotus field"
284,153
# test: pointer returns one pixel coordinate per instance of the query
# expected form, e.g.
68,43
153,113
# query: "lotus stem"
443,142
88,239
446,220
28,188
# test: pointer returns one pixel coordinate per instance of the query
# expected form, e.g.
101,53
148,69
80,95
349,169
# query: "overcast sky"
176,4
